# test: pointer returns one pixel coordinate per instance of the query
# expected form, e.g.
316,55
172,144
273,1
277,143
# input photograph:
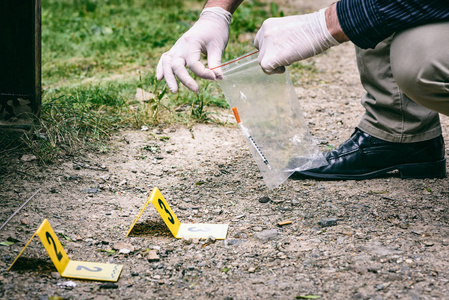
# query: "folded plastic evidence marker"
179,230
69,268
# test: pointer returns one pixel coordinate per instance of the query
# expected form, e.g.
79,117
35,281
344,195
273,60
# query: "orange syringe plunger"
236,115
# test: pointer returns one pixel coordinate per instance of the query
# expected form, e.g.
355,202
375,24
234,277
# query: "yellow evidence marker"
178,229
69,268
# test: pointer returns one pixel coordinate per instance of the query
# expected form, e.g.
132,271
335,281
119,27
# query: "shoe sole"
435,169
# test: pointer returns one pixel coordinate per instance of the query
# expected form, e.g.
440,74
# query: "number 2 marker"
70,268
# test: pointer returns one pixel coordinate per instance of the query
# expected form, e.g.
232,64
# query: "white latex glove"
282,41
209,35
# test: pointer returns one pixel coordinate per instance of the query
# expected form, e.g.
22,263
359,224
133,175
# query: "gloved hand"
282,41
209,35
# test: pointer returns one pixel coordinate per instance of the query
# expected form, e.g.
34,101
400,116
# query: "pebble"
186,241
28,157
67,284
268,235
210,239
153,256
108,285
233,242
327,222
264,199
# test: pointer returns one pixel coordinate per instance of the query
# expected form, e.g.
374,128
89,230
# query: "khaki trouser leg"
408,68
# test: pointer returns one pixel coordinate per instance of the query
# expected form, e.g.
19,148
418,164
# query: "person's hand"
209,35
282,41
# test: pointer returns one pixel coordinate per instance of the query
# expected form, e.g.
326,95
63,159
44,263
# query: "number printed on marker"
195,229
162,205
51,241
97,269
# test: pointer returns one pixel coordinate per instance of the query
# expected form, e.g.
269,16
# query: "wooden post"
20,63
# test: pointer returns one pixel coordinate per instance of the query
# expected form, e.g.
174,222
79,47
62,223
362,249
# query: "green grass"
96,53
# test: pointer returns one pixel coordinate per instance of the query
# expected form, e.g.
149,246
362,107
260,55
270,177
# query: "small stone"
124,251
108,285
186,241
281,255
327,222
233,242
268,235
153,256
295,202
67,284
210,239
264,199
28,157
252,270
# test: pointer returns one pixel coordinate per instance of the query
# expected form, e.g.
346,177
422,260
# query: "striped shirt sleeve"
368,22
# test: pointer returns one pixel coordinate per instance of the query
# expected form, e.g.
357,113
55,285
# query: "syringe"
249,137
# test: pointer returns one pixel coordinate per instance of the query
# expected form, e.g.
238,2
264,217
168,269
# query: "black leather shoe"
363,156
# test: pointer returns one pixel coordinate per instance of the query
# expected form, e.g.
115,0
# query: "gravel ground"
383,238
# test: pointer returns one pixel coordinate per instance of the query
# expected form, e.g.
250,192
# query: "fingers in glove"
200,70
181,72
278,70
263,58
167,73
214,60
268,62
159,69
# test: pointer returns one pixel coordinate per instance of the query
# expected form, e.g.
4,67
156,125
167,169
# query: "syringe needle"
249,137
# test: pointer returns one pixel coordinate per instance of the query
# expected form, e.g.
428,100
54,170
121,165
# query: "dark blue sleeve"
368,22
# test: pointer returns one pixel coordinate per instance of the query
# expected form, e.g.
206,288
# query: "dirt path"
376,239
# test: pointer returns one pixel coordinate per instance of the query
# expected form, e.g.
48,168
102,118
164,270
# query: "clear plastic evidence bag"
269,115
